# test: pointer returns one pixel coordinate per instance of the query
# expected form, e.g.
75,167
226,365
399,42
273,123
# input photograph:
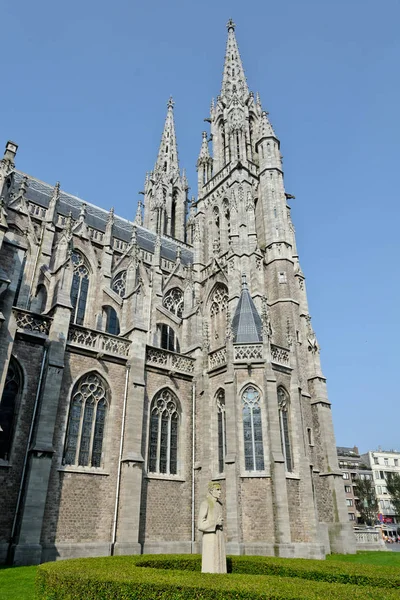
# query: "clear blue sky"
84,87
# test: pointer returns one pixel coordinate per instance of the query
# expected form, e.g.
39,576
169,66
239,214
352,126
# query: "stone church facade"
139,360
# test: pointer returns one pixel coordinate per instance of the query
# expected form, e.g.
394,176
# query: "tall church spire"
234,77
167,159
165,194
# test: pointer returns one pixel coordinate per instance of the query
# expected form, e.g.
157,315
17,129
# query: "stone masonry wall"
29,356
80,501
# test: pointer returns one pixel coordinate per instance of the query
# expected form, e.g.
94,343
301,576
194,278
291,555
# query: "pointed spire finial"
110,218
167,160
138,217
82,213
234,78
244,282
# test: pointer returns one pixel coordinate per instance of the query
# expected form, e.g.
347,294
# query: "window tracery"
252,430
163,439
86,422
79,288
219,300
283,403
119,284
173,301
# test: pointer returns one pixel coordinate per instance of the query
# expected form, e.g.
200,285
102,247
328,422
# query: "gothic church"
140,360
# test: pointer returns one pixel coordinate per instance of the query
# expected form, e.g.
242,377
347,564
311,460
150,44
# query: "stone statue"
210,522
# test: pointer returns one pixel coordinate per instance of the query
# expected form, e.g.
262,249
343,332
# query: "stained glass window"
252,430
283,402
86,422
220,399
8,407
79,289
163,440
173,301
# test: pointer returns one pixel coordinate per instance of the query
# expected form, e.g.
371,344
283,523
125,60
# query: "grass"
378,558
17,583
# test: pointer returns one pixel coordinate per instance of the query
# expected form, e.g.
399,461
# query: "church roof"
246,324
40,194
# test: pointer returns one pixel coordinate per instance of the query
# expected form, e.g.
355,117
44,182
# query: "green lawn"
380,559
17,583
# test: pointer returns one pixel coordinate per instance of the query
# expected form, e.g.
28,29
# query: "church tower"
165,188
272,420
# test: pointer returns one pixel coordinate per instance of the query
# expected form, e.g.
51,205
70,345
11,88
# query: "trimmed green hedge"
135,577
315,570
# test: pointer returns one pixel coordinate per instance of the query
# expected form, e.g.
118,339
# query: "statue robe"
213,551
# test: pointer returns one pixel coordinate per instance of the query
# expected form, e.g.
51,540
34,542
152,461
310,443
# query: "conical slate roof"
246,324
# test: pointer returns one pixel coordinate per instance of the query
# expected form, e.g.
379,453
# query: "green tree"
393,488
367,504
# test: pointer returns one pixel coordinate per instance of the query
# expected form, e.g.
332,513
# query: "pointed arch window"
252,430
9,406
284,405
119,284
220,400
80,287
218,313
164,433
217,226
90,400
112,321
173,301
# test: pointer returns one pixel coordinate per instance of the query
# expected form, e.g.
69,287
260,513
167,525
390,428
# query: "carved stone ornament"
265,318
311,337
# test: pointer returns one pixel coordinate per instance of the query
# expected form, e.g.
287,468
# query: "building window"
349,502
9,406
112,322
309,437
86,422
347,489
252,430
173,301
376,460
386,462
220,399
352,517
163,441
346,476
379,489
119,284
167,338
396,462
218,313
283,403
79,289
282,277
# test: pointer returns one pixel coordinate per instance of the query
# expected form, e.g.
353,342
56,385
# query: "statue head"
214,489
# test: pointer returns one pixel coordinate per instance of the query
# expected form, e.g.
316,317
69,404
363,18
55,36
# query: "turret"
165,188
